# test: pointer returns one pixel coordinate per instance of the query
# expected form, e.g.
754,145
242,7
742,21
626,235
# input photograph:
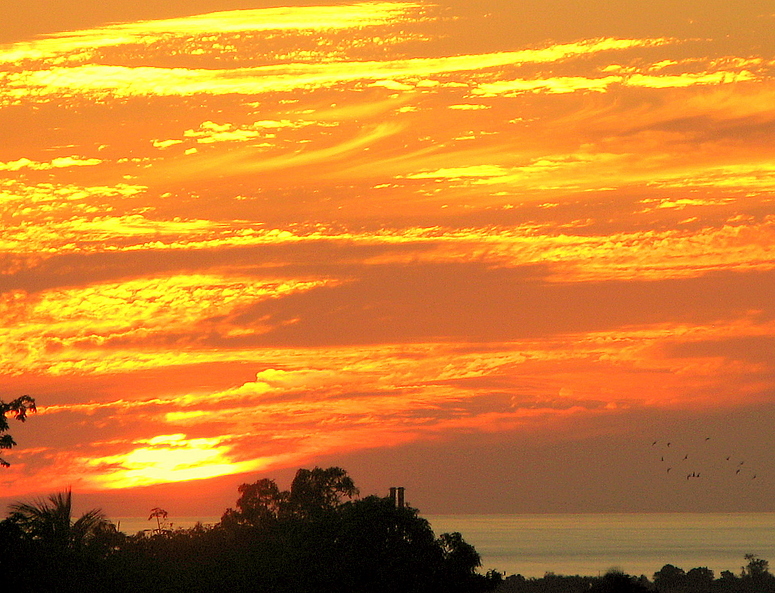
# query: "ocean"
591,544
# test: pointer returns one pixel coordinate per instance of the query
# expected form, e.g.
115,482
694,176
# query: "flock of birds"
696,462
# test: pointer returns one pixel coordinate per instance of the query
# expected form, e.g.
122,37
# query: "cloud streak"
122,81
81,44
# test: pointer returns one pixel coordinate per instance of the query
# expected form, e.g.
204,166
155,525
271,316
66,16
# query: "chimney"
397,497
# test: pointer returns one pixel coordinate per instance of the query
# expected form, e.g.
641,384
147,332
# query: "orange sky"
485,251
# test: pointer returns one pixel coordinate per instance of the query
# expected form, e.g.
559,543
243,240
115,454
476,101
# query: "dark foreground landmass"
314,538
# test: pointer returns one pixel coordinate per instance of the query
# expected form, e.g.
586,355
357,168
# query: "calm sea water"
591,544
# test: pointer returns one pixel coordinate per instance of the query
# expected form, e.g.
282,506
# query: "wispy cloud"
248,239
97,80
80,45
40,330
572,84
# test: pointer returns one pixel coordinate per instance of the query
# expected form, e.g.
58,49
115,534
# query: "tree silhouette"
318,537
161,519
616,581
460,556
49,521
19,408
756,574
670,578
313,493
757,568
381,548
700,579
319,490
260,504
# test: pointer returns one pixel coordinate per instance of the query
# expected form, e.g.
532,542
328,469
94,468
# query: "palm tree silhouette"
50,521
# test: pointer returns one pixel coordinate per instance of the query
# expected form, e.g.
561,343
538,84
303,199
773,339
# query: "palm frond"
51,520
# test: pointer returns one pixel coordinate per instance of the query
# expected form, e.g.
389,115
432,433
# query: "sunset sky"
500,253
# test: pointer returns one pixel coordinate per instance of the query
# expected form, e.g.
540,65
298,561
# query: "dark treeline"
316,537
755,577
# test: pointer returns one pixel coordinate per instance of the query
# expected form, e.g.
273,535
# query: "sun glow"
169,458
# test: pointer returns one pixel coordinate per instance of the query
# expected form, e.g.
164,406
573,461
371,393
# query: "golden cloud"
69,330
57,163
79,44
122,81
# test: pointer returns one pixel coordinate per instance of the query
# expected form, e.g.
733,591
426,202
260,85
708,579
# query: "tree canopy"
312,493
19,409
